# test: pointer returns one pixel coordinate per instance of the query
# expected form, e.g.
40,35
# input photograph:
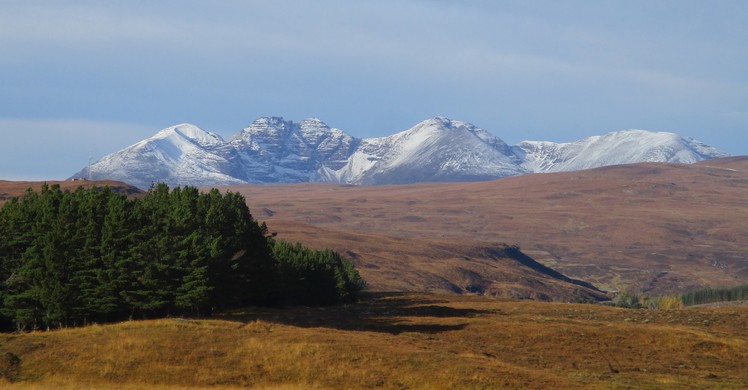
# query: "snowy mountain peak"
189,132
427,132
314,123
440,123
313,130
618,147
266,125
179,155
275,129
274,150
273,121
437,149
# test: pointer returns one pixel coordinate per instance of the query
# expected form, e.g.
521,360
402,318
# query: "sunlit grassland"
395,341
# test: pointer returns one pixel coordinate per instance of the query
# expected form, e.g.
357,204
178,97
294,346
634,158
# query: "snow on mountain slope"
179,155
438,149
273,150
621,147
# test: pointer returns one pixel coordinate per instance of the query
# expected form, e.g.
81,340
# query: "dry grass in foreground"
394,340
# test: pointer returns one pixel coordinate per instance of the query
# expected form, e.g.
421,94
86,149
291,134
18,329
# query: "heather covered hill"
652,227
439,265
495,269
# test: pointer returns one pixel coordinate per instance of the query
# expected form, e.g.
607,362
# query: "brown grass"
652,227
657,227
396,340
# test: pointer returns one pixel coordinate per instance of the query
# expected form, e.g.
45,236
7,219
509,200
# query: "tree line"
95,255
677,301
711,295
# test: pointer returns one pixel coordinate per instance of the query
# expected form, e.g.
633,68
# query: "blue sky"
87,78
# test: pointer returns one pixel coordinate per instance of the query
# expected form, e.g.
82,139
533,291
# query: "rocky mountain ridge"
274,150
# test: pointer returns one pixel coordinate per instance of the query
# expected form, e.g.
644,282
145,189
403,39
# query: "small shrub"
628,300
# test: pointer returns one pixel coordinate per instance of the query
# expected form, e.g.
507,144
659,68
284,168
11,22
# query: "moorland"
650,227
458,276
394,341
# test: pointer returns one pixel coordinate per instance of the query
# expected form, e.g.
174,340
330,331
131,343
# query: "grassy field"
394,341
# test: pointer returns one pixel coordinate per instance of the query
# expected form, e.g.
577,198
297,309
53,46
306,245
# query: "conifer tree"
70,258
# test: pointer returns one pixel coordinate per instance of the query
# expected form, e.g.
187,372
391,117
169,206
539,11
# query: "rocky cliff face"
273,150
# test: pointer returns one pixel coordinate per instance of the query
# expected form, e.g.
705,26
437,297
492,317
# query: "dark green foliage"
315,277
69,258
709,295
696,297
628,300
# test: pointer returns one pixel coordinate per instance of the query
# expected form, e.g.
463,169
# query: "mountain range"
274,150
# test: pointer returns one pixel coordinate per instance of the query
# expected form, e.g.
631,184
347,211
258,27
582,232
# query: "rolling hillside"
494,269
651,227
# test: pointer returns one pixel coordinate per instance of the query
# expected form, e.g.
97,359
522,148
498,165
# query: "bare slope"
653,227
391,263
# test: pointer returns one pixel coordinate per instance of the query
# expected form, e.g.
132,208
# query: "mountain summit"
273,150
438,149
620,147
179,155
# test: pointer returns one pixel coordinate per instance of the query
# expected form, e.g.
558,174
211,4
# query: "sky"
82,79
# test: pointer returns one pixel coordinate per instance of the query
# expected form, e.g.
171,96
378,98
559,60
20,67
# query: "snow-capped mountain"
179,155
273,150
620,147
437,149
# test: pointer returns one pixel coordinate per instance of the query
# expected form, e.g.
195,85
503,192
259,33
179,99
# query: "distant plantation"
696,297
71,258
711,295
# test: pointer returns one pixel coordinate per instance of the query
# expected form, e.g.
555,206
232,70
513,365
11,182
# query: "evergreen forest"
71,258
